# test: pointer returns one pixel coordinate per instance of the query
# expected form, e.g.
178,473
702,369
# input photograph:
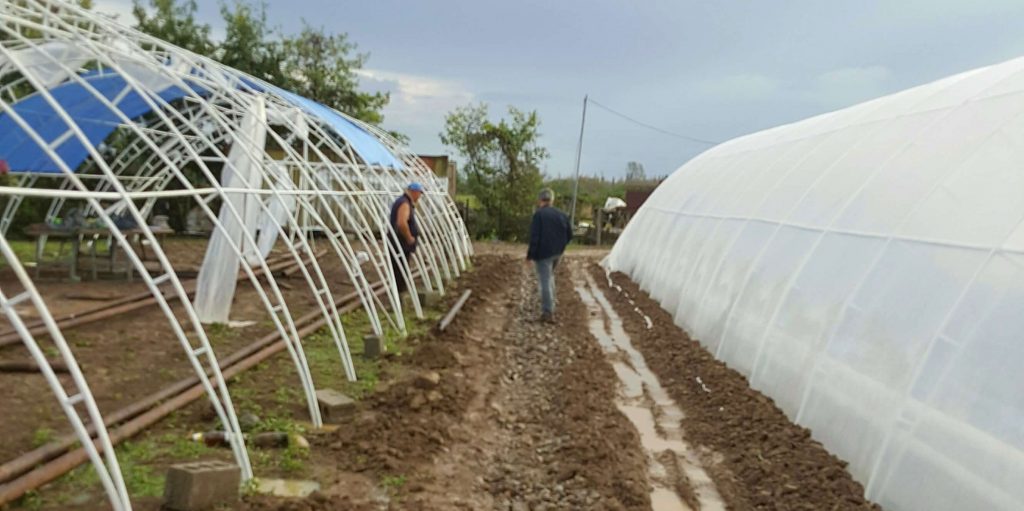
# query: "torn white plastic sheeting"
280,208
40,61
215,287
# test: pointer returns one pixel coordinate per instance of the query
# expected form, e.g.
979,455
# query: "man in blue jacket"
550,232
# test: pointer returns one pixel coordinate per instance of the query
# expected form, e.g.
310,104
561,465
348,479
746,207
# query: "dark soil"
766,461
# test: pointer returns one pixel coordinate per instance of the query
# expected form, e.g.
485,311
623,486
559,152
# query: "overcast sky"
709,69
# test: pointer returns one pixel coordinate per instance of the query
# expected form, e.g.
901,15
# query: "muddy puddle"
642,399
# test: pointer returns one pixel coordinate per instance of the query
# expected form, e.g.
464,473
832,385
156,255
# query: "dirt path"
611,408
499,412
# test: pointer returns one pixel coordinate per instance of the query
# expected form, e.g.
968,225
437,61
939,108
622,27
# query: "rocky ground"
503,412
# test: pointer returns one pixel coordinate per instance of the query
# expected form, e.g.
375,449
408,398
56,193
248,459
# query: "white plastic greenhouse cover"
865,268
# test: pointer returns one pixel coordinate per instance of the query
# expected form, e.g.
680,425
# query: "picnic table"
75,235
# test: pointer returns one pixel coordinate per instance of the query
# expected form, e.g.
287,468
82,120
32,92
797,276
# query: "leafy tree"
502,166
635,172
175,23
322,67
315,64
250,45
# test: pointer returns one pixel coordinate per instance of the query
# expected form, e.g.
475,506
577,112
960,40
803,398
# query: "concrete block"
334,405
429,299
201,485
372,347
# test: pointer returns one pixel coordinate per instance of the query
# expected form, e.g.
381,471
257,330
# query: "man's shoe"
547,317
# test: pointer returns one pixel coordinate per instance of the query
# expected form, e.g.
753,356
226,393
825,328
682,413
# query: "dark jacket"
414,228
550,232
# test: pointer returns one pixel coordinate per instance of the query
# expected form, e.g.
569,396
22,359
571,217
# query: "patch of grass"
262,460
275,423
51,351
220,332
181,447
30,501
133,458
41,436
287,394
293,459
25,250
325,361
393,483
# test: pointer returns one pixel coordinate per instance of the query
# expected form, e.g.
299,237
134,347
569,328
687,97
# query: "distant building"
635,199
442,167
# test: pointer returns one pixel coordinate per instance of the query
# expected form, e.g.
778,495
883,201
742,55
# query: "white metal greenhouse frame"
865,269
337,176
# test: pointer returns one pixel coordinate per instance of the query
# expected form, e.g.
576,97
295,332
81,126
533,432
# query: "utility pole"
579,150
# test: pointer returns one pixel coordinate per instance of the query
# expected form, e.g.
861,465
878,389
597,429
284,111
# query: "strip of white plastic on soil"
645,403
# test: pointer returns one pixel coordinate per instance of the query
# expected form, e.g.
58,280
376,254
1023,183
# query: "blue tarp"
98,122
367,146
94,118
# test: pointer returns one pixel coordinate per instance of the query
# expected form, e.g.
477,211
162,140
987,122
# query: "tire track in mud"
675,469
756,456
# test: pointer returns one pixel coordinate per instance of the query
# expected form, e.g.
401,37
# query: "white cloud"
849,85
119,9
416,100
743,86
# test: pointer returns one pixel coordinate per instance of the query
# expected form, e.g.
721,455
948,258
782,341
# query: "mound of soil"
766,461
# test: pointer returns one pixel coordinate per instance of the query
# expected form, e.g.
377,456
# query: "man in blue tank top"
403,222
550,232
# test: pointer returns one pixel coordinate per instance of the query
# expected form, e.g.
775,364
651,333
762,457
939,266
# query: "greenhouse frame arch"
114,116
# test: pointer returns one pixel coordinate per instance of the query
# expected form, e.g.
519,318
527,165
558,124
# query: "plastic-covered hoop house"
865,268
99,116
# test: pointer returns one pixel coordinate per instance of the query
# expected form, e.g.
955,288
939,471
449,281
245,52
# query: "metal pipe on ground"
127,304
448,318
239,361
29,366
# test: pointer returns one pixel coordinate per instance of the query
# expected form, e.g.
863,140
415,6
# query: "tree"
635,172
322,67
313,63
249,43
502,166
175,23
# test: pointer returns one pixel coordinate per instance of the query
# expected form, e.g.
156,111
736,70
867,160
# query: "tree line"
313,63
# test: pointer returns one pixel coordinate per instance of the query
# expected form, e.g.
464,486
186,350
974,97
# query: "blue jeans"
546,277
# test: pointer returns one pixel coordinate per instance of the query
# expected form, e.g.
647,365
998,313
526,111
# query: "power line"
651,127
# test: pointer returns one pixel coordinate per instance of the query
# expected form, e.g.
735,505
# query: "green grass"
140,478
181,447
25,250
41,436
31,501
393,483
134,459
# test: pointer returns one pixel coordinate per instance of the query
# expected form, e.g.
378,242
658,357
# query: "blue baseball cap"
414,187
